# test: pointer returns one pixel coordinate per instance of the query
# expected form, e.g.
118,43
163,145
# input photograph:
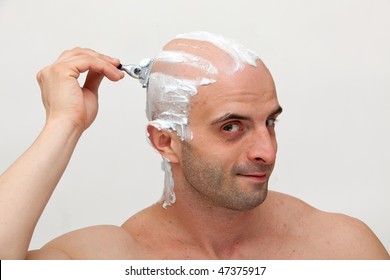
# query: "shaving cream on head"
238,52
168,100
180,57
169,94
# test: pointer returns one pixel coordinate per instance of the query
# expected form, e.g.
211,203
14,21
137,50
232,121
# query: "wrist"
65,127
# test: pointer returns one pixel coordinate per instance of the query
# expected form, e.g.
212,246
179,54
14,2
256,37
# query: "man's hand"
63,97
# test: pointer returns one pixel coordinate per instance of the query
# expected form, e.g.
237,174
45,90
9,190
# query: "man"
212,107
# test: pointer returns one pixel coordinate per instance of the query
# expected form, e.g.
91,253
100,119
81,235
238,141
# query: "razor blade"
140,71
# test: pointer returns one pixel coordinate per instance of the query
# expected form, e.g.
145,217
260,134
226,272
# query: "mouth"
257,177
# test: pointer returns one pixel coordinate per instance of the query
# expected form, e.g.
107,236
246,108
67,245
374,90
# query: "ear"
165,142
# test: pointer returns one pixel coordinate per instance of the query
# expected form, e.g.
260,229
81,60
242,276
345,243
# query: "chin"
247,203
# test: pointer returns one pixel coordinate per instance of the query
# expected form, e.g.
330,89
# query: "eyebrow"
277,111
230,116
234,116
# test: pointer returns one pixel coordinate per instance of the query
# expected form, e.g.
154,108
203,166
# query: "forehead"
250,92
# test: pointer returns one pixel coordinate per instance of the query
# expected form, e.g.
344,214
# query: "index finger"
83,63
86,51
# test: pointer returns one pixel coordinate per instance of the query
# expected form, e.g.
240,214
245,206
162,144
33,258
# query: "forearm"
27,185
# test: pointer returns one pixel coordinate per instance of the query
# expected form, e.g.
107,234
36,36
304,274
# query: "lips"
258,177
253,173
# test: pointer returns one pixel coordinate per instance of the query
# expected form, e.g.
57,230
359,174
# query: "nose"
263,146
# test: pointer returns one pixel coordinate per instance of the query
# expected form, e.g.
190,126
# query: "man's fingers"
83,63
85,51
93,80
79,60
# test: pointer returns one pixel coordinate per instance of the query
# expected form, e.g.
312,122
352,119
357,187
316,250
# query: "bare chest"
267,248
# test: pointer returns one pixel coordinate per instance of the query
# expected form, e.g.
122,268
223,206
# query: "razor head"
140,72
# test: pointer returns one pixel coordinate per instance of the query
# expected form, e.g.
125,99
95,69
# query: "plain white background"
330,61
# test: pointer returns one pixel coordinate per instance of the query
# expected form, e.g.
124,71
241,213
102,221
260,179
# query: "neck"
217,231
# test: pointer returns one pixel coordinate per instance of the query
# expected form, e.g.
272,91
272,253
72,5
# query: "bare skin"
289,229
207,221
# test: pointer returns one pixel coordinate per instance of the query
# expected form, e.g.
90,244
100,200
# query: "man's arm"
27,185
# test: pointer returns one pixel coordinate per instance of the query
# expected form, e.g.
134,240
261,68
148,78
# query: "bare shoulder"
329,235
96,242
350,238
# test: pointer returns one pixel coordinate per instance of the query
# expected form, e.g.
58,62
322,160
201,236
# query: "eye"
271,122
232,127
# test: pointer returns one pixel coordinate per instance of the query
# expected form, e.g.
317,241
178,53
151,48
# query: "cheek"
202,170
200,141
215,149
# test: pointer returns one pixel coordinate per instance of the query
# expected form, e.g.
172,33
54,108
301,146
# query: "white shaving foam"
168,196
238,52
167,108
168,102
187,59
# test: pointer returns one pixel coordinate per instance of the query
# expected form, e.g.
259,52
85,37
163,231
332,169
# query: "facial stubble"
211,182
